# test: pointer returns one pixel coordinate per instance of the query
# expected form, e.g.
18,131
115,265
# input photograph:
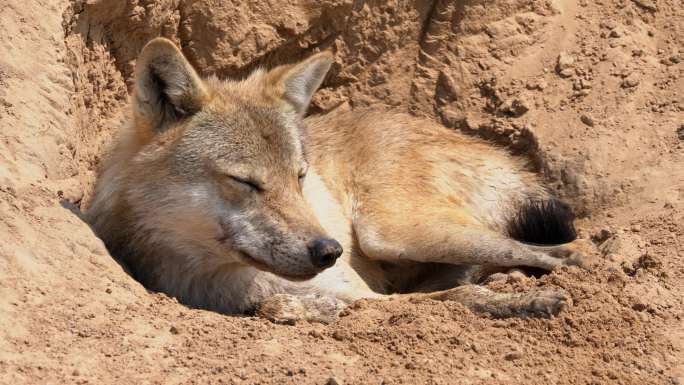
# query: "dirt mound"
590,92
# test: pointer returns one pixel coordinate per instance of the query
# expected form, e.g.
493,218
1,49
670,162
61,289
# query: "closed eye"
247,182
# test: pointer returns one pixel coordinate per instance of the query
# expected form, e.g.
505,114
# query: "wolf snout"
324,252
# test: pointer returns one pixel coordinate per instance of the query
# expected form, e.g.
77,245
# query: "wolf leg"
324,305
450,237
479,299
289,308
456,245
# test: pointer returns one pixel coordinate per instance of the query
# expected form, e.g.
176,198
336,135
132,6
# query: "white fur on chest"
341,279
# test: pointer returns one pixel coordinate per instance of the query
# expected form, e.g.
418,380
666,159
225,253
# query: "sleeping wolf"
222,194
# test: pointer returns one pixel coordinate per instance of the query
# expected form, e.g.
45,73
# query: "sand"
591,92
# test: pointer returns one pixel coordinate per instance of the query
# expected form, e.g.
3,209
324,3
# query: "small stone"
174,330
474,123
514,106
540,85
616,32
608,24
680,132
512,356
108,290
316,334
332,381
566,64
516,276
577,85
648,5
631,81
602,235
496,277
69,190
587,120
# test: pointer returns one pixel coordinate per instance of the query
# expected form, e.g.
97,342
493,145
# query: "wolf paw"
282,308
288,308
539,303
582,253
579,252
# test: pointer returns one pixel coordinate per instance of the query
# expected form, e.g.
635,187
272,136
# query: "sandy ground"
590,91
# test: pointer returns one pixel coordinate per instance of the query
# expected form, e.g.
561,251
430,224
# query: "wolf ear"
298,82
167,88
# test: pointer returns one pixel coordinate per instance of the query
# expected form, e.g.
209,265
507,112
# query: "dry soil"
590,91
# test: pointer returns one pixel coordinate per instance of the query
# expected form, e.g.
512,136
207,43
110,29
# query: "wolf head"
217,167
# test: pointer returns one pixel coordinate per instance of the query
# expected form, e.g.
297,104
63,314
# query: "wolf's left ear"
167,88
298,82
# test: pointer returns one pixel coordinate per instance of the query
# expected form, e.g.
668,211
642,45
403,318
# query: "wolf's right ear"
167,88
296,83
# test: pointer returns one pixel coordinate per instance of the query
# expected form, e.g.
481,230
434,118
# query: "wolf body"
222,194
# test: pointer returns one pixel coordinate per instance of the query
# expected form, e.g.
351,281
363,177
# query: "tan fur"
415,206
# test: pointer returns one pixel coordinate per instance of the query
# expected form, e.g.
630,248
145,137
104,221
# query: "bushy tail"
546,222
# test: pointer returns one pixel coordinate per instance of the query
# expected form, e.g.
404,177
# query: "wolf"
223,194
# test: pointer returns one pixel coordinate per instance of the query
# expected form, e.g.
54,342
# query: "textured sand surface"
592,92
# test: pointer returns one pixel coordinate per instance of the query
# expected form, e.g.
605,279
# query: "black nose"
324,252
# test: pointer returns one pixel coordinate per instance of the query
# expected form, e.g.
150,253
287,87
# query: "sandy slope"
605,125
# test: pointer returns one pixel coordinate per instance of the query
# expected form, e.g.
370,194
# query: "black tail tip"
546,222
